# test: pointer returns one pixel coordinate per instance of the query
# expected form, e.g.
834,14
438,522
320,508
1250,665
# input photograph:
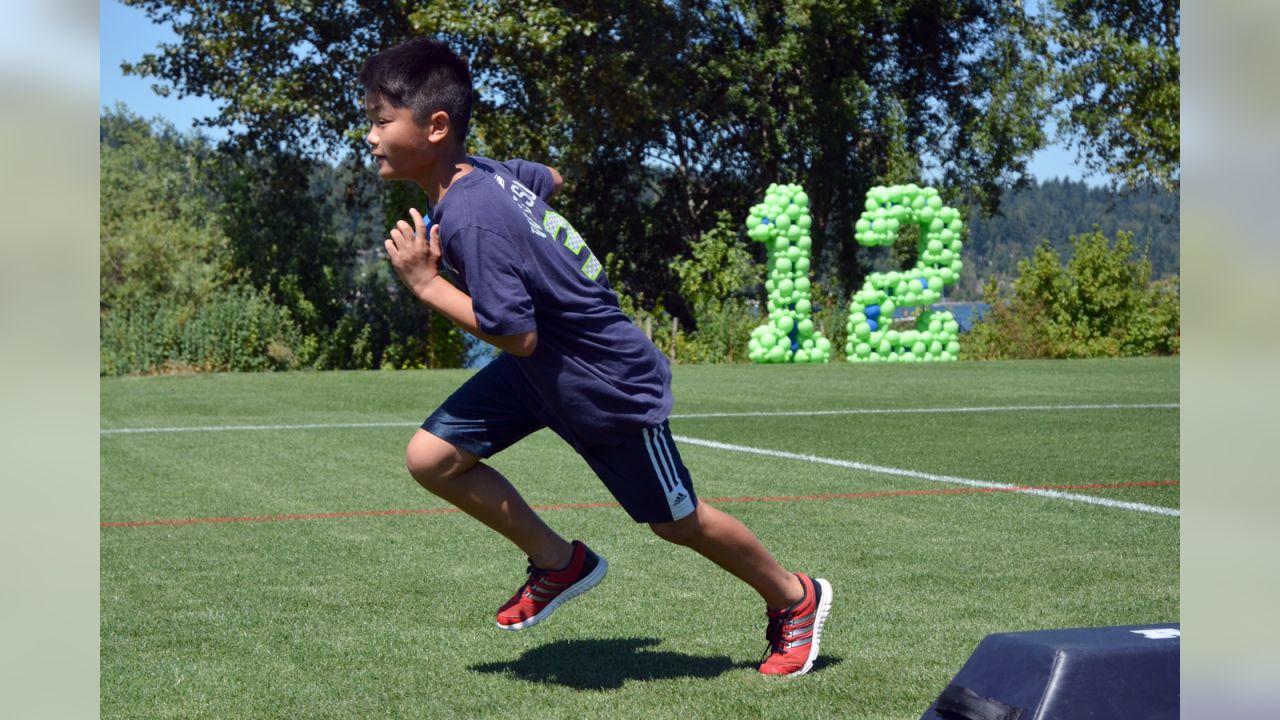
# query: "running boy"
572,361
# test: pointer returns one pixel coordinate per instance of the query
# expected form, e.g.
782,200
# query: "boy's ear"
438,127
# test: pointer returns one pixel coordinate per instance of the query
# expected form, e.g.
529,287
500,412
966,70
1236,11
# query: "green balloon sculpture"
782,223
934,338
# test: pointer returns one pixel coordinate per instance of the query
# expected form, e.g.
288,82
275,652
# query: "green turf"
390,617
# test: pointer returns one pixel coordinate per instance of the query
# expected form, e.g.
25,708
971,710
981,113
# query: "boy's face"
404,149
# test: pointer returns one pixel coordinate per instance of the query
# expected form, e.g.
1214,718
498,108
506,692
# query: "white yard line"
883,470
849,464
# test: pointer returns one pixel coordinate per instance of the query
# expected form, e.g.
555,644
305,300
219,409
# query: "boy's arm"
417,261
556,180
530,174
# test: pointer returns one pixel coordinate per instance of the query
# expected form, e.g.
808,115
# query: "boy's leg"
483,417
559,570
458,477
725,541
797,605
646,475
648,478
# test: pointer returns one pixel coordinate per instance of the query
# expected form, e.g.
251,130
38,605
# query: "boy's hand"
415,257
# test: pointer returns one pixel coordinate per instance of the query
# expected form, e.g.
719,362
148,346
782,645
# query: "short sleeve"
535,176
494,274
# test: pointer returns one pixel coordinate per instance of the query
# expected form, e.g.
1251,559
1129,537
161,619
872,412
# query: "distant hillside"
1054,211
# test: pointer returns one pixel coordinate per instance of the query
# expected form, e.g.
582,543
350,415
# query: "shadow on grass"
608,664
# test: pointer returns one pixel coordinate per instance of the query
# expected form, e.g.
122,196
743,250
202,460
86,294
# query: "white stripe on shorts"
664,453
678,501
659,468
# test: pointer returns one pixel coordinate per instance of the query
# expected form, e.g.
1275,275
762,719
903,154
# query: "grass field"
264,553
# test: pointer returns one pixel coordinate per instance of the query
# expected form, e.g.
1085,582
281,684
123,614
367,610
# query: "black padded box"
1108,673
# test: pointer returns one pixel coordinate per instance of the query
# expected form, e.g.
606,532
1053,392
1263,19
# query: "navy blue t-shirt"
594,377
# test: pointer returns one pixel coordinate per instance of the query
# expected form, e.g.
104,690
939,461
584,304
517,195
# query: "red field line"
581,506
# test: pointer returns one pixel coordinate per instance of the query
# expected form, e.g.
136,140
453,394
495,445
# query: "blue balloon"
872,324
872,311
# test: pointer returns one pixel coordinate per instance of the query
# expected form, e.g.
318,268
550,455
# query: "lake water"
966,313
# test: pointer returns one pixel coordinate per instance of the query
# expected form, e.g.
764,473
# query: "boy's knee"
432,461
680,532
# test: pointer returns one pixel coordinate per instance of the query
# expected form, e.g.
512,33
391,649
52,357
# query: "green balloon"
783,224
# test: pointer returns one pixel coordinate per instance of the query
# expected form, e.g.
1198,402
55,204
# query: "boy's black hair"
425,76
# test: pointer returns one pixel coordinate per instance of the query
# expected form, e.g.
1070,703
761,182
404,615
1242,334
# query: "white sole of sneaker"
571,592
824,608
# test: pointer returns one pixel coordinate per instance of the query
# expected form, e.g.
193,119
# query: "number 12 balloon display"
782,223
872,337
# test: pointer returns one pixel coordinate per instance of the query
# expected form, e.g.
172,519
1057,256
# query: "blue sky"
127,34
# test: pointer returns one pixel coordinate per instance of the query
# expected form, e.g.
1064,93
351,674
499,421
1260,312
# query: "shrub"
235,329
1100,304
714,280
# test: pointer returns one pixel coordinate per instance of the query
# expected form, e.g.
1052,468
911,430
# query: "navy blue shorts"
644,472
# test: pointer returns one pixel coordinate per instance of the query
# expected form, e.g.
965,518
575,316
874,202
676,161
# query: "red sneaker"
546,590
793,633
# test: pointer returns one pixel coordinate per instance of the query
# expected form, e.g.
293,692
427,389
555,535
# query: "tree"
1117,78
171,295
660,114
158,221
215,261
1056,210
671,112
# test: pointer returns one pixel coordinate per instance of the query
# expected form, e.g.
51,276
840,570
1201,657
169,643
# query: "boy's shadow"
607,664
